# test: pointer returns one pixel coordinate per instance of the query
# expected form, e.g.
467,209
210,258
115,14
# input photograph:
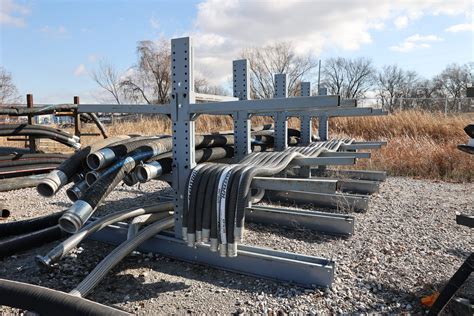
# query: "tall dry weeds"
420,144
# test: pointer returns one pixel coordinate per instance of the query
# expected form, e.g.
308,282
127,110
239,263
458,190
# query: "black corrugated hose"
50,302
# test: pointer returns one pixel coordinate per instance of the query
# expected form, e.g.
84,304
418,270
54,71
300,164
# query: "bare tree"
8,90
201,85
108,78
350,78
389,83
452,83
274,59
150,79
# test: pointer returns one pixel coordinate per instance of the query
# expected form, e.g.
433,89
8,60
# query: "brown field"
420,144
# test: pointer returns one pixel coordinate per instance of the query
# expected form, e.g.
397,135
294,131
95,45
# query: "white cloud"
464,27
401,22
80,70
92,58
154,23
53,31
224,27
415,42
12,13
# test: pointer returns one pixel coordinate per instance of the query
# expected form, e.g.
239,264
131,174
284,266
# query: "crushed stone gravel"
406,246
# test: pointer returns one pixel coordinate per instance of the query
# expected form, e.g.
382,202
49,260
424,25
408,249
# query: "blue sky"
50,46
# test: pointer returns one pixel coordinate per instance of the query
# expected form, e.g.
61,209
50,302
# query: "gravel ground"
405,246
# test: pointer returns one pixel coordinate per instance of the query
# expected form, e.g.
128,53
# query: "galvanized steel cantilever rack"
183,110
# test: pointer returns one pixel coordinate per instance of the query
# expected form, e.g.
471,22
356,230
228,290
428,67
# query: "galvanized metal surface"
346,202
242,124
280,118
291,184
327,223
183,127
354,174
323,161
306,271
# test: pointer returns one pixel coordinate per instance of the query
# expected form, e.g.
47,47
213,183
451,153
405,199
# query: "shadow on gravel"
400,300
460,253
297,233
127,287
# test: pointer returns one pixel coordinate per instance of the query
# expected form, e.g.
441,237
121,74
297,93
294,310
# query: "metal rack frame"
183,110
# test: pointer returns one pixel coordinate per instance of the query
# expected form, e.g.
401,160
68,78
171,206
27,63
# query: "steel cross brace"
290,267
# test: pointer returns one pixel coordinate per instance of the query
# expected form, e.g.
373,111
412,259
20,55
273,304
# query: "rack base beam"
352,174
348,202
327,223
305,271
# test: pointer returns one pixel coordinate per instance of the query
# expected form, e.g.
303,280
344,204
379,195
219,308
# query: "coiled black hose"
50,302
107,155
64,173
29,225
39,132
82,209
30,240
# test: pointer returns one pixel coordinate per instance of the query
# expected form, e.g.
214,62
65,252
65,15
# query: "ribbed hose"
118,254
19,127
29,225
68,140
28,162
19,156
82,209
20,182
145,219
50,302
106,156
64,173
17,171
63,248
27,241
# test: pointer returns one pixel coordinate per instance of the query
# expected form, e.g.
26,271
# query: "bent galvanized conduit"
58,252
99,272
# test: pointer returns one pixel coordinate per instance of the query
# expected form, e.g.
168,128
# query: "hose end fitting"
43,261
191,240
149,171
92,176
214,245
184,233
51,183
75,192
223,250
232,250
205,234
100,158
198,236
75,217
130,179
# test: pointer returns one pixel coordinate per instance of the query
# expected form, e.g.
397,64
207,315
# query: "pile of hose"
40,131
218,194
29,233
16,165
46,301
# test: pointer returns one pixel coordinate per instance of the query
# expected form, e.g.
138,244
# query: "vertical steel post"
280,118
306,120
77,118
306,127
33,145
242,122
323,128
182,95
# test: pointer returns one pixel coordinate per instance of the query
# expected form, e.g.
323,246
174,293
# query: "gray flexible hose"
63,248
99,272
144,219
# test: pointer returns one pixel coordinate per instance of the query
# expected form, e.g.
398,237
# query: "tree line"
149,79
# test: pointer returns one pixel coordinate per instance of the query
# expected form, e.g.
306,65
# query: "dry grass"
420,144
